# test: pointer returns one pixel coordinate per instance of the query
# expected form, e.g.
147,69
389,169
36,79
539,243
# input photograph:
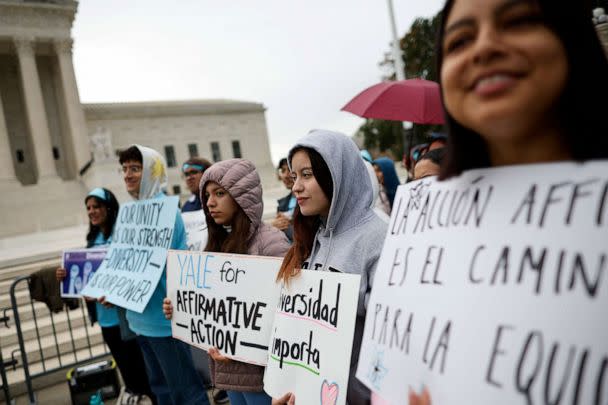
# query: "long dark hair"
305,227
582,120
235,241
111,204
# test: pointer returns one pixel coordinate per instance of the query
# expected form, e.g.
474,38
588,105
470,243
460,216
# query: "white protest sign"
223,300
196,229
492,289
312,338
136,257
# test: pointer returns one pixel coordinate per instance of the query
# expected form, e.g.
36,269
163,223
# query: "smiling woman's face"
309,194
97,212
503,69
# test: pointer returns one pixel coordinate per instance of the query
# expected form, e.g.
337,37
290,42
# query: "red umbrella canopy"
413,100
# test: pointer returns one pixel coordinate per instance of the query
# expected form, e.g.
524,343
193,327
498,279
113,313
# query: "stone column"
34,109
7,170
78,140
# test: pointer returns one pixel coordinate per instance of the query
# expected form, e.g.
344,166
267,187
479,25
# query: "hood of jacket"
154,175
352,187
241,180
391,181
374,180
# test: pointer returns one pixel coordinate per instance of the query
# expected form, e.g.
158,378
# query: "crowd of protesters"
514,77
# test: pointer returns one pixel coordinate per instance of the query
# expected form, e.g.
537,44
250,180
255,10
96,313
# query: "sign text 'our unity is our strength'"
136,257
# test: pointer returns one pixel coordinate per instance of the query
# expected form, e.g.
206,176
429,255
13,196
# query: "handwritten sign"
312,338
223,300
80,265
492,289
196,229
136,257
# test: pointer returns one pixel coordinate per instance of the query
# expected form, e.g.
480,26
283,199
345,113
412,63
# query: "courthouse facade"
53,148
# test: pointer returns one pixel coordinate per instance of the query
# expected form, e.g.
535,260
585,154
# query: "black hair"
282,163
435,155
131,153
111,204
582,120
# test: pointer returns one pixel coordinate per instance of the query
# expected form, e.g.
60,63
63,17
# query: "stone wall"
178,124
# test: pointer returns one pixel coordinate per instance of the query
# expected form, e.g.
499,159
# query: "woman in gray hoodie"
335,228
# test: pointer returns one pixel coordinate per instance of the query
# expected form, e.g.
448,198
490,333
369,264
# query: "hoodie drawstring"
331,236
312,253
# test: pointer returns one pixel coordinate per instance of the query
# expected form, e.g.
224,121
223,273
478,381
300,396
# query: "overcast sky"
302,59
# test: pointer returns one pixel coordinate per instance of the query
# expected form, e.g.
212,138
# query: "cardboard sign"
312,338
136,257
223,300
80,265
492,289
196,230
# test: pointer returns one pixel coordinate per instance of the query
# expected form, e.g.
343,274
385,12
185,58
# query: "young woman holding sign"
102,210
335,228
231,193
515,79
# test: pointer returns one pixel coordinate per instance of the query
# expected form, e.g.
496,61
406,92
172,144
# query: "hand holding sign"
60,273
287,399
102,300
167,308
216,355
423,399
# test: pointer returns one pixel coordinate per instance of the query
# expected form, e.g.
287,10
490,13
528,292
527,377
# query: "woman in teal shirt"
102,209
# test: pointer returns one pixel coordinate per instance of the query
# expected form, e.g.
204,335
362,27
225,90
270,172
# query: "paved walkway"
56,394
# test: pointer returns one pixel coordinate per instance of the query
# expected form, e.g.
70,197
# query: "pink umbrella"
413,100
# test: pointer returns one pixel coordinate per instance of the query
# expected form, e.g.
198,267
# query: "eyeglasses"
191,173
130,169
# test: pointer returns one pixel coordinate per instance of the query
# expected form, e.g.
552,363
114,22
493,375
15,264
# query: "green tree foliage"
418,46
383,135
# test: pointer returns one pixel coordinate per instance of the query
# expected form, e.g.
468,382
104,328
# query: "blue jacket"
192,204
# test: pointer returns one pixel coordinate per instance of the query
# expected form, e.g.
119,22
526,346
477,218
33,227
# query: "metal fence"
56,356
5,388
